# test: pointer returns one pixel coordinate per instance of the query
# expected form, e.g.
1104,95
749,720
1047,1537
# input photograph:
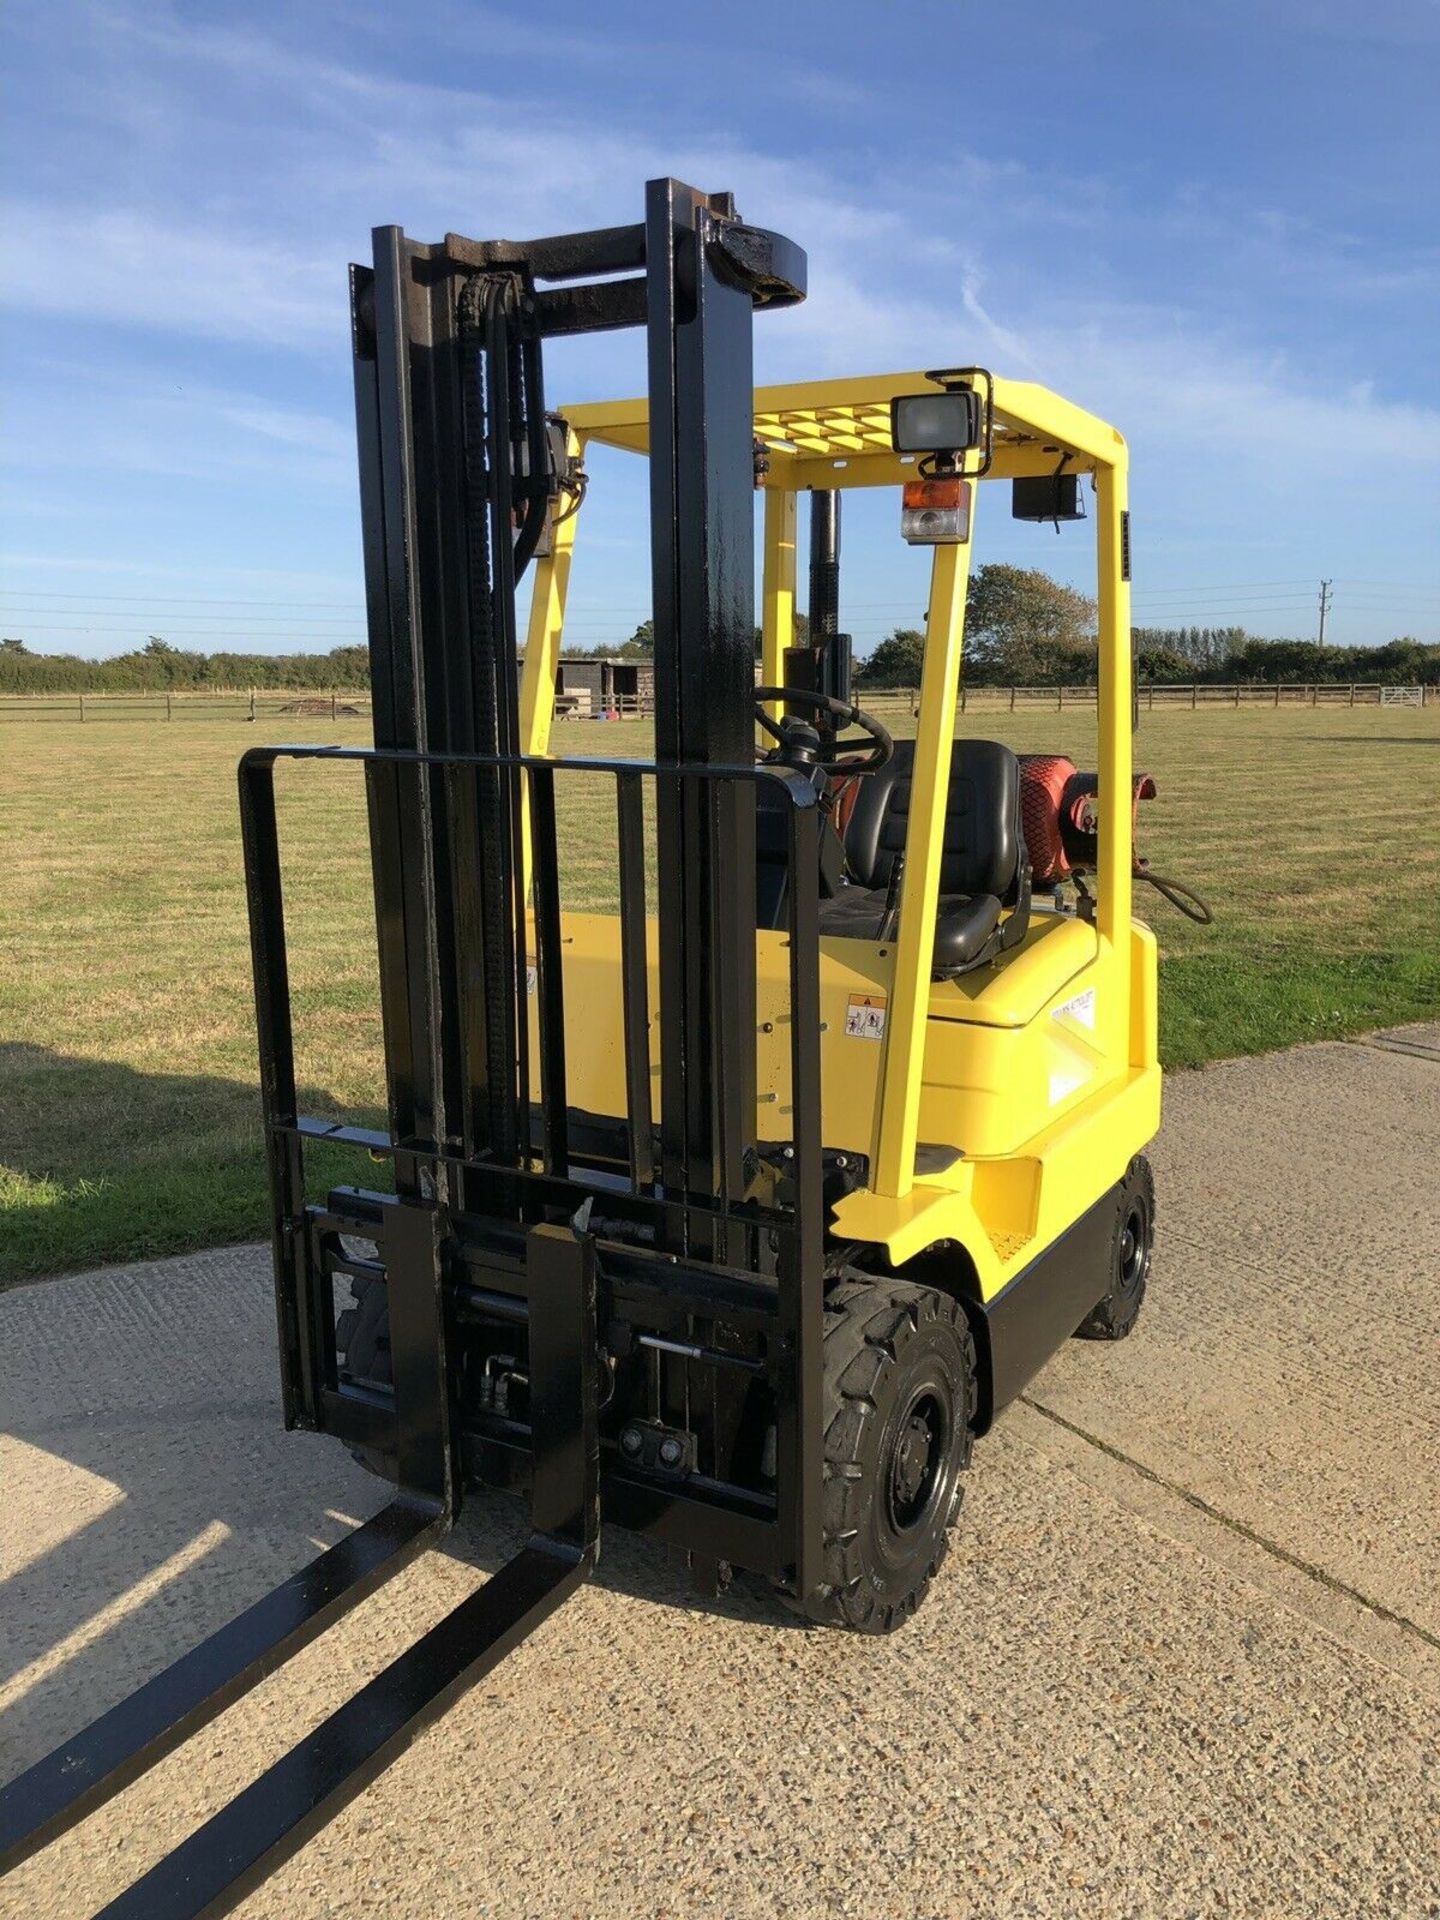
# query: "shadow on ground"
100,1162
184,1500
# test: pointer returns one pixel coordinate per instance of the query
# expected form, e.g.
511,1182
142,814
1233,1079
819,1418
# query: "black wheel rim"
919,1463
1133,1251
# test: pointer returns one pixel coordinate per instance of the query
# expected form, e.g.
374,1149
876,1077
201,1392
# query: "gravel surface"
1184,1660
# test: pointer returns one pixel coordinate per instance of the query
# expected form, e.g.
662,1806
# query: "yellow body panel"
993,1109
1017,1072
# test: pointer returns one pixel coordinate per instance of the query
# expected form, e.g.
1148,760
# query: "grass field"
127,1066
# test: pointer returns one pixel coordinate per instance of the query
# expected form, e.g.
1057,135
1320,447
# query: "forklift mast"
453,455
668,1254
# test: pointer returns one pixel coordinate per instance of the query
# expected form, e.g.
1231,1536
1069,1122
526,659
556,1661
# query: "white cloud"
144,269
292,427
890,279
254,172
1214,394
284,584
75,418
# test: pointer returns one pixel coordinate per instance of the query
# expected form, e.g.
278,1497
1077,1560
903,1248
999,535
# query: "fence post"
1060,698
1237,693
1352,693
252,703
334,707
1193,695
82,706
168,714
1277,692
962,696
1315,693
1012,699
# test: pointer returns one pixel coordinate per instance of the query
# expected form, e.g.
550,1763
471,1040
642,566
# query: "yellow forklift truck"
733,1214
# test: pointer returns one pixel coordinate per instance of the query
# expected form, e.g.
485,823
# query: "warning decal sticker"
1081,1009
865,1016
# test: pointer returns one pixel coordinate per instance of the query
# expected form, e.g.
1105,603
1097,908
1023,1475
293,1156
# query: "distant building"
588,688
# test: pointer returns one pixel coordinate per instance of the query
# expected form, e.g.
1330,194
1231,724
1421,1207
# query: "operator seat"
984,866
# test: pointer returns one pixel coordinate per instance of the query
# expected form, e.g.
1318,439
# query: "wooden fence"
273,704
1161,694
270,704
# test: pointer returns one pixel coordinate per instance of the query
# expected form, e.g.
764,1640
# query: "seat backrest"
983,837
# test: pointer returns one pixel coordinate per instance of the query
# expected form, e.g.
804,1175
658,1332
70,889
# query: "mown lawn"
127,1064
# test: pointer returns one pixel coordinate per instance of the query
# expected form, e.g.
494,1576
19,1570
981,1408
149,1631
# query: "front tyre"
899,1411
1132,1243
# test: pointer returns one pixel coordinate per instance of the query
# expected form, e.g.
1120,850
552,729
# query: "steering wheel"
799,743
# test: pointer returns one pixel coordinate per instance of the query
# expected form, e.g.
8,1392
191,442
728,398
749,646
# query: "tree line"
1021,629
158,667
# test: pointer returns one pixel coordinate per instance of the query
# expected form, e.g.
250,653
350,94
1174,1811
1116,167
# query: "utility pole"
1326,595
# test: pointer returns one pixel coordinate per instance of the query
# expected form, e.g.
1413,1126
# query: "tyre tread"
868,1323
1112,1318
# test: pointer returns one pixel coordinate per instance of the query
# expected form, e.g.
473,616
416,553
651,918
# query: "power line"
146,600
1392,606
181,625
1227,586
1233,600
611,606
1185,613
240,632
1287,600
1209,611
157,600
1353,591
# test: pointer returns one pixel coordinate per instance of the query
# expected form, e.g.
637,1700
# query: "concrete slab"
1287,1374
1184,1660
1422,1039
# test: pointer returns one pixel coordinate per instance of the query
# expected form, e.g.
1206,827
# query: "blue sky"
1217,226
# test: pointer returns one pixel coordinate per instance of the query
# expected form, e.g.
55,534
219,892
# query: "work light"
947,422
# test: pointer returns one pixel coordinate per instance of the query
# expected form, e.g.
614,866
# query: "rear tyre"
899,1411
1132,1242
